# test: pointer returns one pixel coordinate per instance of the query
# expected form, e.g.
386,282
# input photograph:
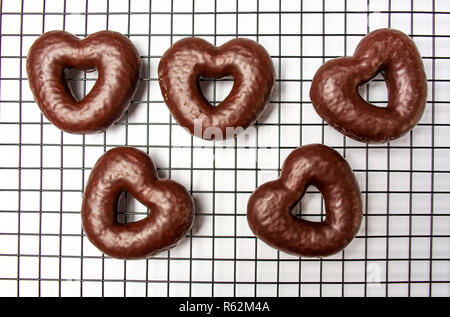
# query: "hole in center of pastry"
311,206
375,91
80,82
129,209
215,90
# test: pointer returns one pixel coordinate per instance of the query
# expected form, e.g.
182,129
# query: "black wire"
257,260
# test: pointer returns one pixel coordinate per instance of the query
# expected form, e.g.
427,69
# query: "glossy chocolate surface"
246,61
170,204
334,89
269,210
118,64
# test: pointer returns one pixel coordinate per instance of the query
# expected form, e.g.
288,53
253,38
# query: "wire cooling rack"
403,247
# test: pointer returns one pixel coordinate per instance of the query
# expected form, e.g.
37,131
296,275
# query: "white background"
403,247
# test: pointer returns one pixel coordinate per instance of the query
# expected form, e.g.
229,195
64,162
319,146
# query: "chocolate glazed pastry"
118,64
269,210
334,89
246,61
171,207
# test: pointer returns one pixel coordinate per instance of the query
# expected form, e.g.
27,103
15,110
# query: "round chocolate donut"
171,206
334,89
245,60
269,210
118,64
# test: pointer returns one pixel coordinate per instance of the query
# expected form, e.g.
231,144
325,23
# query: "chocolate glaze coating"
269,210
334,89
246,61
118,64
171,207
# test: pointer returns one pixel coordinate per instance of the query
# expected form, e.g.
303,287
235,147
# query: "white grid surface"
403,247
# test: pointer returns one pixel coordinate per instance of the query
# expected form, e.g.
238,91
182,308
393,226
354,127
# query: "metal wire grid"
403,246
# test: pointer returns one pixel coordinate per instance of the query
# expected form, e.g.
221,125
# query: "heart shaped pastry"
269,210
246,61
334,89
171,207
118,64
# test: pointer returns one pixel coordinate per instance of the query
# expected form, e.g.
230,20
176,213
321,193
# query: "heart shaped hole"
80,82
129,209
309,207
375,91
215,90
